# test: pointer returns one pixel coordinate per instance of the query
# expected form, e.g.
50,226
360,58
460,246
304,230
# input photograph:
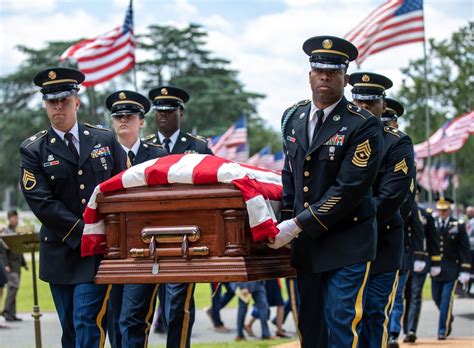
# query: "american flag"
225,144
449,138
394,23
278,161
263,158
261,190
106,56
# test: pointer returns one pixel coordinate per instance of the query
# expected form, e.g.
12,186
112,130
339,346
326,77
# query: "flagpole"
427,112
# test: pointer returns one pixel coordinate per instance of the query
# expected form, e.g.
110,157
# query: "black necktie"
166,144
131,157
70,145
319,122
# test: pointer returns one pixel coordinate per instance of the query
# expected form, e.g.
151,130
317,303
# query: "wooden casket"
183,233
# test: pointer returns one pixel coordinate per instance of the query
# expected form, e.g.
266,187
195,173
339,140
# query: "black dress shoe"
441,337
393,342
410,338
15,318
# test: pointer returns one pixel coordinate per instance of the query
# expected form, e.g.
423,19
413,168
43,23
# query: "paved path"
21,334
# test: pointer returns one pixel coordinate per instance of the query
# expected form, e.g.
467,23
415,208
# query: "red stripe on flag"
206,171
157,174
93,244
109,76
113,184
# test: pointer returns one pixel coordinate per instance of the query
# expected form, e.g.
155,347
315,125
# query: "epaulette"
148,137
356,110
290,111
198,137
35,137
154,145
392,130
97,127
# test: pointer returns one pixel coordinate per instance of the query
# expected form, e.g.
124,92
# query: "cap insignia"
365,78
122,96
164,91
327,44
52,75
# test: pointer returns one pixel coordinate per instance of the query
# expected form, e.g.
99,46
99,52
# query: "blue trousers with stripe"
378,306
180,312
395,326
341,295
82,313
443,295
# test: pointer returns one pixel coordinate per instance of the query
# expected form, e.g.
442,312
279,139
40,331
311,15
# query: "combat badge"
29,180
362,154
401,166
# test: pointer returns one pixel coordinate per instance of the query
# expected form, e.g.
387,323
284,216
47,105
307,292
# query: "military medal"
104,162
332,150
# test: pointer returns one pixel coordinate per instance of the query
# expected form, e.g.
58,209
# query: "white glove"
288,230
435,270
419,266
464,277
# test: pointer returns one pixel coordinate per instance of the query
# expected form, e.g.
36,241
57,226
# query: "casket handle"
173,234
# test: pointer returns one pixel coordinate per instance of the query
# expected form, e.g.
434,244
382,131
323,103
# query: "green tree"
450,65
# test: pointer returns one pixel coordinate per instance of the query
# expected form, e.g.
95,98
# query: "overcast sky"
262,39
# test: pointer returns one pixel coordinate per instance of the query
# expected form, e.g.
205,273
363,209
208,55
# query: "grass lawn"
202,294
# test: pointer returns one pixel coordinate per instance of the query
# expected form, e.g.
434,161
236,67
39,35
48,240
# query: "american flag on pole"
232,142
261,190
394,23
278,161
106,56
263,158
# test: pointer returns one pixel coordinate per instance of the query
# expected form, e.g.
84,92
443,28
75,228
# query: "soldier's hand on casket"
419,266
287,230
435,270
464,277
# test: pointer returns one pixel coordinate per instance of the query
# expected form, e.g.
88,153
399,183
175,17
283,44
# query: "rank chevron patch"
29,180
402,165
362,154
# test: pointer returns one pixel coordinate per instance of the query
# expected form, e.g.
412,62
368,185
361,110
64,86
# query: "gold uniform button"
388,227
308,158
356,218
306,204
306,173
83,201
45,239
441,243
306,189
80,172
52,177
82,186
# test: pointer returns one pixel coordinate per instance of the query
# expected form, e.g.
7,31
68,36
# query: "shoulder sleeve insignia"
28,180
97,127
401,166
362,154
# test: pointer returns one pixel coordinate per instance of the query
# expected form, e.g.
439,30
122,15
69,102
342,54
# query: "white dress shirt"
313,118
134,148
173,139
75,133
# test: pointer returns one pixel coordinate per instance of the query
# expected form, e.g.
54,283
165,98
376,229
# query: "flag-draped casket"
186,218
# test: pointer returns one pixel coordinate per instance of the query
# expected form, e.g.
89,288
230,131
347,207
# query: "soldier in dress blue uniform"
416,280
455,264
390,189
59,169
413,255
129,316
177,300
333,152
